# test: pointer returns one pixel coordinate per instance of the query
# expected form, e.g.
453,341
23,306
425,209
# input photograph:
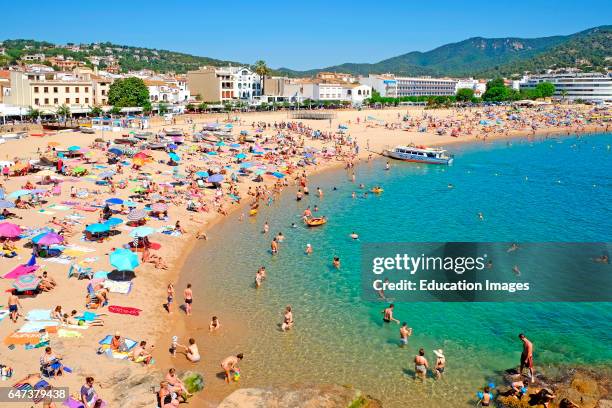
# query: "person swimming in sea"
354,235
480,216
293,225
274,246
354,195
336,262
513,248
266,228
516,270
280,237
604,259
381,292
308,249
361,185
450,185
388,314
387,166
316,208
405,332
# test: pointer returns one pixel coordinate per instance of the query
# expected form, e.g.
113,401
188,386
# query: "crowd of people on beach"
120,195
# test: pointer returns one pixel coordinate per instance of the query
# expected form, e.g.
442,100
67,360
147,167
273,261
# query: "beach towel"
21,338
3,314
36,326
69,333
39,315
46,212
100,275
58,260
129,343
124,310
88,316
86,208
118,287
20,270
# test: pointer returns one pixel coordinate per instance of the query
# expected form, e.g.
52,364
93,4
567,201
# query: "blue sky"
293,33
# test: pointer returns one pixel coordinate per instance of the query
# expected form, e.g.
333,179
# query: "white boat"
419,154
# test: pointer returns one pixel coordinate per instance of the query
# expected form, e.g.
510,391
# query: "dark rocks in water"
573,387
300,396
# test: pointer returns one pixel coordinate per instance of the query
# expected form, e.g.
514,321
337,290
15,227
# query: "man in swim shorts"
527,357
388,314
405,332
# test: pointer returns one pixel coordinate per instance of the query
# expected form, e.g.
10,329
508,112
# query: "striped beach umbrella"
159,207
136,215
26,282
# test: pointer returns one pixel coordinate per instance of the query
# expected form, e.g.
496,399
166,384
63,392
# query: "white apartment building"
385,85
587,86
319,90
478,86
48,90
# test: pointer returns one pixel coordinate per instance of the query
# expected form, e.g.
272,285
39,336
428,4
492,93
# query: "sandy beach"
371,130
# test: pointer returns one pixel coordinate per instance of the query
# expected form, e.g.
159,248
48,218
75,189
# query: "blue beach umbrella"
212,153
221,143
278,175
115,151
202,174
141,232
74,148
174,157
113,221
241,156
246,165
19,193
215,178
114,201
106,174
172,146
123,259
130,204
235,145
97,228
229,126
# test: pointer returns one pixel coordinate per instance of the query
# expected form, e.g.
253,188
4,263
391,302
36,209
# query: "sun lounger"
80,272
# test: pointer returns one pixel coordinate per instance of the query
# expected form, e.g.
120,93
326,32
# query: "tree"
262,70
96,111
465,95
63,111
190,107
563,94
115,110
33,113
162,108
4,60
203,106
495,83
546,89
128,92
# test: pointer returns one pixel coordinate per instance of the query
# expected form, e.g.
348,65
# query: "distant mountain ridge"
480,56
477,56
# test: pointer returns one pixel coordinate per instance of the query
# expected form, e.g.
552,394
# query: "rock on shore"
306,396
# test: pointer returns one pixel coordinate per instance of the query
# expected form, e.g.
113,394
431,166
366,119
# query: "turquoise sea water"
547,190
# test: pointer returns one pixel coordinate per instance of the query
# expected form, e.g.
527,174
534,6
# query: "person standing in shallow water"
420,365
188,295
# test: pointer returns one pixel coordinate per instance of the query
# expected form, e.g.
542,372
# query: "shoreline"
151,283
180,325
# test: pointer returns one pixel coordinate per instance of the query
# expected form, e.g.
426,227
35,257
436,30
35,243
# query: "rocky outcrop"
303,396
572,388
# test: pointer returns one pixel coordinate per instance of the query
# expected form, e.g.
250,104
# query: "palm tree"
63,111
563,94
262,70
33,113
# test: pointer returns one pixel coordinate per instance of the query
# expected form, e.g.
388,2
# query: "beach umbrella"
211,153
130,204
141,155
74,148
48,238
97,228
121,276
141,232
113,221
159,207
278,175
114,201
9,230
241,156
174,157
235,145
116,151
45,173
229,126
136,215
53,144
79,170
215,178
26,282
246,165
139,190
202,174
172,146
123,259
221,143
6,204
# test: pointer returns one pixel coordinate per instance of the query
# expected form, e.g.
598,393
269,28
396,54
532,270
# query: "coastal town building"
223,84
478,86
572,86
64,64
385,85
389,85
5,84
318,89
47,90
